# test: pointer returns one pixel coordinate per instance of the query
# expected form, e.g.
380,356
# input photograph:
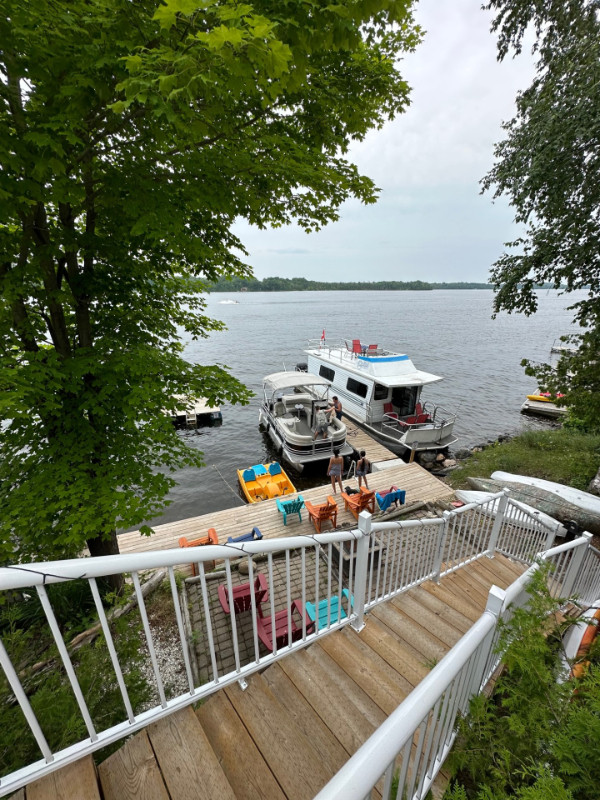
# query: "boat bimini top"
279,382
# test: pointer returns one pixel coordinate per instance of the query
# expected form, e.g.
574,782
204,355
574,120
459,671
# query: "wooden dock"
416,481
300,719
359,439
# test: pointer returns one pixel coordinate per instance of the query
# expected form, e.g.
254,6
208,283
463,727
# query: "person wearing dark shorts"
363,465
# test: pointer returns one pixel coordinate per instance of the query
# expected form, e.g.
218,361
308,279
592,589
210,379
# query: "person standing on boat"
363,465
335,407
321,423
335,469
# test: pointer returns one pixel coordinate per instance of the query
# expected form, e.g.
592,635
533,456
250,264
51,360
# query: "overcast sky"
430,222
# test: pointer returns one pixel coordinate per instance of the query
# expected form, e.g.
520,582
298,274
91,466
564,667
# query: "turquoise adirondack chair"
330,610
294,506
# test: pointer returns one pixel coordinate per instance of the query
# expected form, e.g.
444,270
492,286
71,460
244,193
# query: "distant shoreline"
303,285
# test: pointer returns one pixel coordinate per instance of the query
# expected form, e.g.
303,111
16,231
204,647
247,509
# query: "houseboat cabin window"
380,392
356,387
404,398
325,372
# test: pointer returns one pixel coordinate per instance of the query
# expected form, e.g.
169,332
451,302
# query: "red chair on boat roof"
356,346
372,348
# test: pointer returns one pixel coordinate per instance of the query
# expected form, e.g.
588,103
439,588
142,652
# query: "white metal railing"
362,567
411,745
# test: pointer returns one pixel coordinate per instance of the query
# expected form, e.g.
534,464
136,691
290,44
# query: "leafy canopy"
549,167
132,137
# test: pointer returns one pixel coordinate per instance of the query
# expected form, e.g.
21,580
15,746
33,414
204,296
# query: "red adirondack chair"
284,633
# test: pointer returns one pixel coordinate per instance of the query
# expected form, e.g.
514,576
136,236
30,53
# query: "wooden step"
346,710
76,781
294,761
367,669
427,619
381,640
190,769
239,757
306,718
442,610
426,647
132,772
452,595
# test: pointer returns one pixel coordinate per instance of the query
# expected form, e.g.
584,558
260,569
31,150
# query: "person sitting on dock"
321,424
334,408
363,465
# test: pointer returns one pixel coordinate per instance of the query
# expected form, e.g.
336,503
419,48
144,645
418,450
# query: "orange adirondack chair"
364,501
212,538
322,512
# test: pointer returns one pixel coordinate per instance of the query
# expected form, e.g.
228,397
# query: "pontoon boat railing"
364,566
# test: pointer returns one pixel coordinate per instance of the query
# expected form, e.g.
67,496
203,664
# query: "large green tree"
549,167
132,135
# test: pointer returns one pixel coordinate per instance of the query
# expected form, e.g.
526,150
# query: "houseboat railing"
363,567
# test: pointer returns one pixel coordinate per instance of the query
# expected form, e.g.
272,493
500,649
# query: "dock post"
360,575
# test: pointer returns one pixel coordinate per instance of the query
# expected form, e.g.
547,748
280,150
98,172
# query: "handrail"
431,709
373,562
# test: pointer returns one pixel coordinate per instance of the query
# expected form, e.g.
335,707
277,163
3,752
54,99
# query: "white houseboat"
381,390
288,413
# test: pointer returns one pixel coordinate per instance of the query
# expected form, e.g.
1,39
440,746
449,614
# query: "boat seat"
279,409
249,475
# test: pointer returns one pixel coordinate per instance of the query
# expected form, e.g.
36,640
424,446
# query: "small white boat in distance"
381,390
288,413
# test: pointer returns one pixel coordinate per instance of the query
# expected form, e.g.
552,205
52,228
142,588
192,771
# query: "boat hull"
543,500
578,497
300,450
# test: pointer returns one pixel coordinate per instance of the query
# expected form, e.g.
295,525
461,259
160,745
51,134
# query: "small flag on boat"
323,335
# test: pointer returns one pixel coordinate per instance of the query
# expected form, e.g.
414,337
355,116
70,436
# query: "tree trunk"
107,546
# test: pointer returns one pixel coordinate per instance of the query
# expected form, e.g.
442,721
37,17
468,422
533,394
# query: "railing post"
437,567
361,570
495,601
575,566
497,526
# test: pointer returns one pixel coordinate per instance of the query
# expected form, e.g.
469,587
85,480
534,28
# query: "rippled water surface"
449,333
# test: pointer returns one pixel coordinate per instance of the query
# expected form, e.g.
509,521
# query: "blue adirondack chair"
294,506
330,610
393,495
246,537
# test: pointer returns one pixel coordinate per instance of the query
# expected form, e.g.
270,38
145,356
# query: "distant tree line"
237,284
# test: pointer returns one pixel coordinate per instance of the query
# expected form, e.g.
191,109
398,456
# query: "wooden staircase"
300,719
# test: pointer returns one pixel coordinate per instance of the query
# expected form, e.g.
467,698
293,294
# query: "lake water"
449,333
